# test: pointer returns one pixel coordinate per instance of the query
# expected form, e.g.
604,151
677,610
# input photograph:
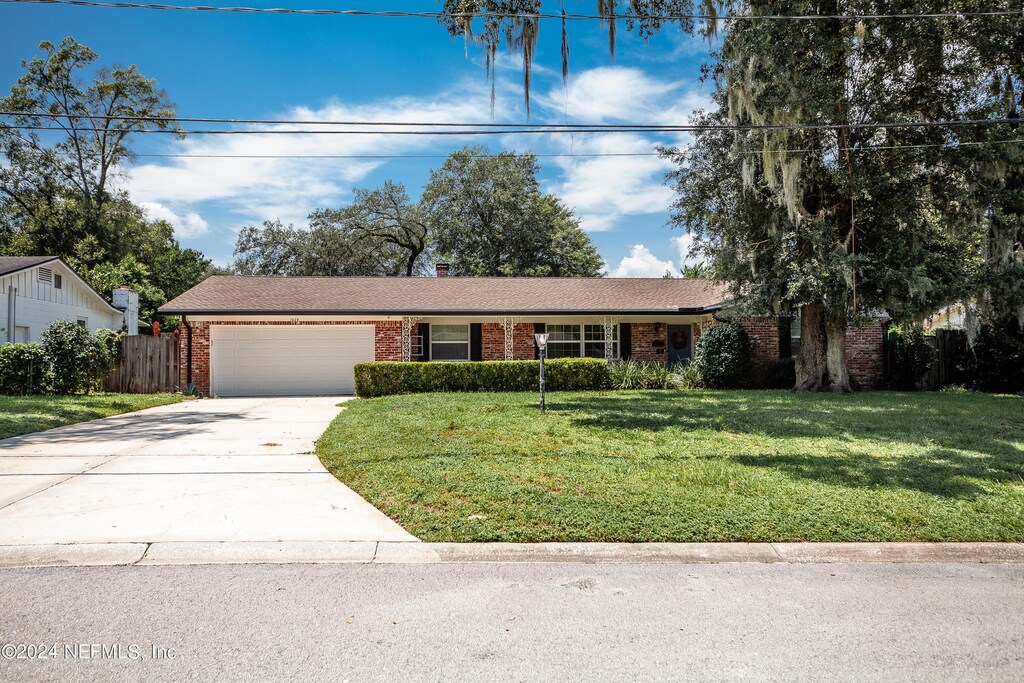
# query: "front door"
679,338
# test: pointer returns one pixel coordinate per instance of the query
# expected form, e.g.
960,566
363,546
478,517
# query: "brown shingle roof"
428,295
12,264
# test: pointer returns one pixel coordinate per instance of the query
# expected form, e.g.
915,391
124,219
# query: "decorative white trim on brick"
508,324
408,322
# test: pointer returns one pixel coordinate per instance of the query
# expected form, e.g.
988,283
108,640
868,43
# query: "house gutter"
701,310
188,352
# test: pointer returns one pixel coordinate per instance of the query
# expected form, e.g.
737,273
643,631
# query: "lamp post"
542,348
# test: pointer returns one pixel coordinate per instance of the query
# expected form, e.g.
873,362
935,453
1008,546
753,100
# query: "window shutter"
625,340
538,328
476,341
424,333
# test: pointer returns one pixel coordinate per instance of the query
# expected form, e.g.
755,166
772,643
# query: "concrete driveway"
222,470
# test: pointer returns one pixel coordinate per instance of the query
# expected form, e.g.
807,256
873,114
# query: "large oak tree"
807,207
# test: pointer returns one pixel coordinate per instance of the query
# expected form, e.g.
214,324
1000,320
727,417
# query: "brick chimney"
442,269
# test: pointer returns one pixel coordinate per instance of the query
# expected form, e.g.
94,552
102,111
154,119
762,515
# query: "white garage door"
287,360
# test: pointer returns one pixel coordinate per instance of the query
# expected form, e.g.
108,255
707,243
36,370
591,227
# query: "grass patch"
26,414
688,466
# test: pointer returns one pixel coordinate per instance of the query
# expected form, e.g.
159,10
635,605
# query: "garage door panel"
265,360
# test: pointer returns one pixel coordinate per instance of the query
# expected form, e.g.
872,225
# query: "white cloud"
257,188
186,226
611,92
642,263
603,191
684,243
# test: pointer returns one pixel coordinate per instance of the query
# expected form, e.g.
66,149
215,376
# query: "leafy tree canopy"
381,233
483,214
818,213
56,189
489,217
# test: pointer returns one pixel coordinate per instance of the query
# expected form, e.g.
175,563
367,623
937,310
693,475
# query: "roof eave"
442,312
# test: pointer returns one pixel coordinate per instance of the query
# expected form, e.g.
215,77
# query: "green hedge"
722,357
22,369
562,374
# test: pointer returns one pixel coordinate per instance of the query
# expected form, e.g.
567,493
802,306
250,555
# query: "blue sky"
216,64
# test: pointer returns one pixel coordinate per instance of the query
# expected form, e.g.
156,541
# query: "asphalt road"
522,621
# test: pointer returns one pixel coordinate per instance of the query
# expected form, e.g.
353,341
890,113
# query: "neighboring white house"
36,290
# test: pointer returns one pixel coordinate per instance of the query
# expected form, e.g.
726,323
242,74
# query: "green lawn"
688,466
24,414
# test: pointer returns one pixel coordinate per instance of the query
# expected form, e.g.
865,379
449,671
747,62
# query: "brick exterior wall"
522,341
387,337
764,345
865,353
864,345
642,347
492,342
387,341
864,350
200,357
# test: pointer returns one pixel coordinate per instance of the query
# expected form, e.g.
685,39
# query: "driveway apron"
211,470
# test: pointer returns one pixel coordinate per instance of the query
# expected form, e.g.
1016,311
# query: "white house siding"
40,303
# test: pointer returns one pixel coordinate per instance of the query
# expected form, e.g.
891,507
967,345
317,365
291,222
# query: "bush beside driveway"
688,466
27,414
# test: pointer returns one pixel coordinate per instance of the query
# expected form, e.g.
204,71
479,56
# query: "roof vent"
46,275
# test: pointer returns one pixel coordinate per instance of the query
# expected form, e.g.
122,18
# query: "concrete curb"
71,555
237,552
371,552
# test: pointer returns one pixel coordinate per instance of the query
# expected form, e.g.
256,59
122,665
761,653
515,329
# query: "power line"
501,127
582,155
316,122
513,129
510,15
387,156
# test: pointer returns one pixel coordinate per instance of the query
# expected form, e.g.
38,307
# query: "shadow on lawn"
965,440
940,473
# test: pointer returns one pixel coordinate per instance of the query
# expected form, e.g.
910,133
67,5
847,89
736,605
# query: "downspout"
12,321
188,351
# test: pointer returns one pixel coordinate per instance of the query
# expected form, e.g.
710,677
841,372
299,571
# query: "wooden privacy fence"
148,365
952,356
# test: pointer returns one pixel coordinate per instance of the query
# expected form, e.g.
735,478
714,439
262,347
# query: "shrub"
637,374
112,341
98,363
77,360
562,374
997,358
686,377
722,356
912,357
22,369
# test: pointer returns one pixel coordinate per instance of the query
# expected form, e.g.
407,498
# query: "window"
83,322
45,275
58,281
580,341
563,341
449,342
593,341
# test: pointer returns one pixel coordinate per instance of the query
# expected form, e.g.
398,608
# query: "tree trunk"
838,374
811,366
